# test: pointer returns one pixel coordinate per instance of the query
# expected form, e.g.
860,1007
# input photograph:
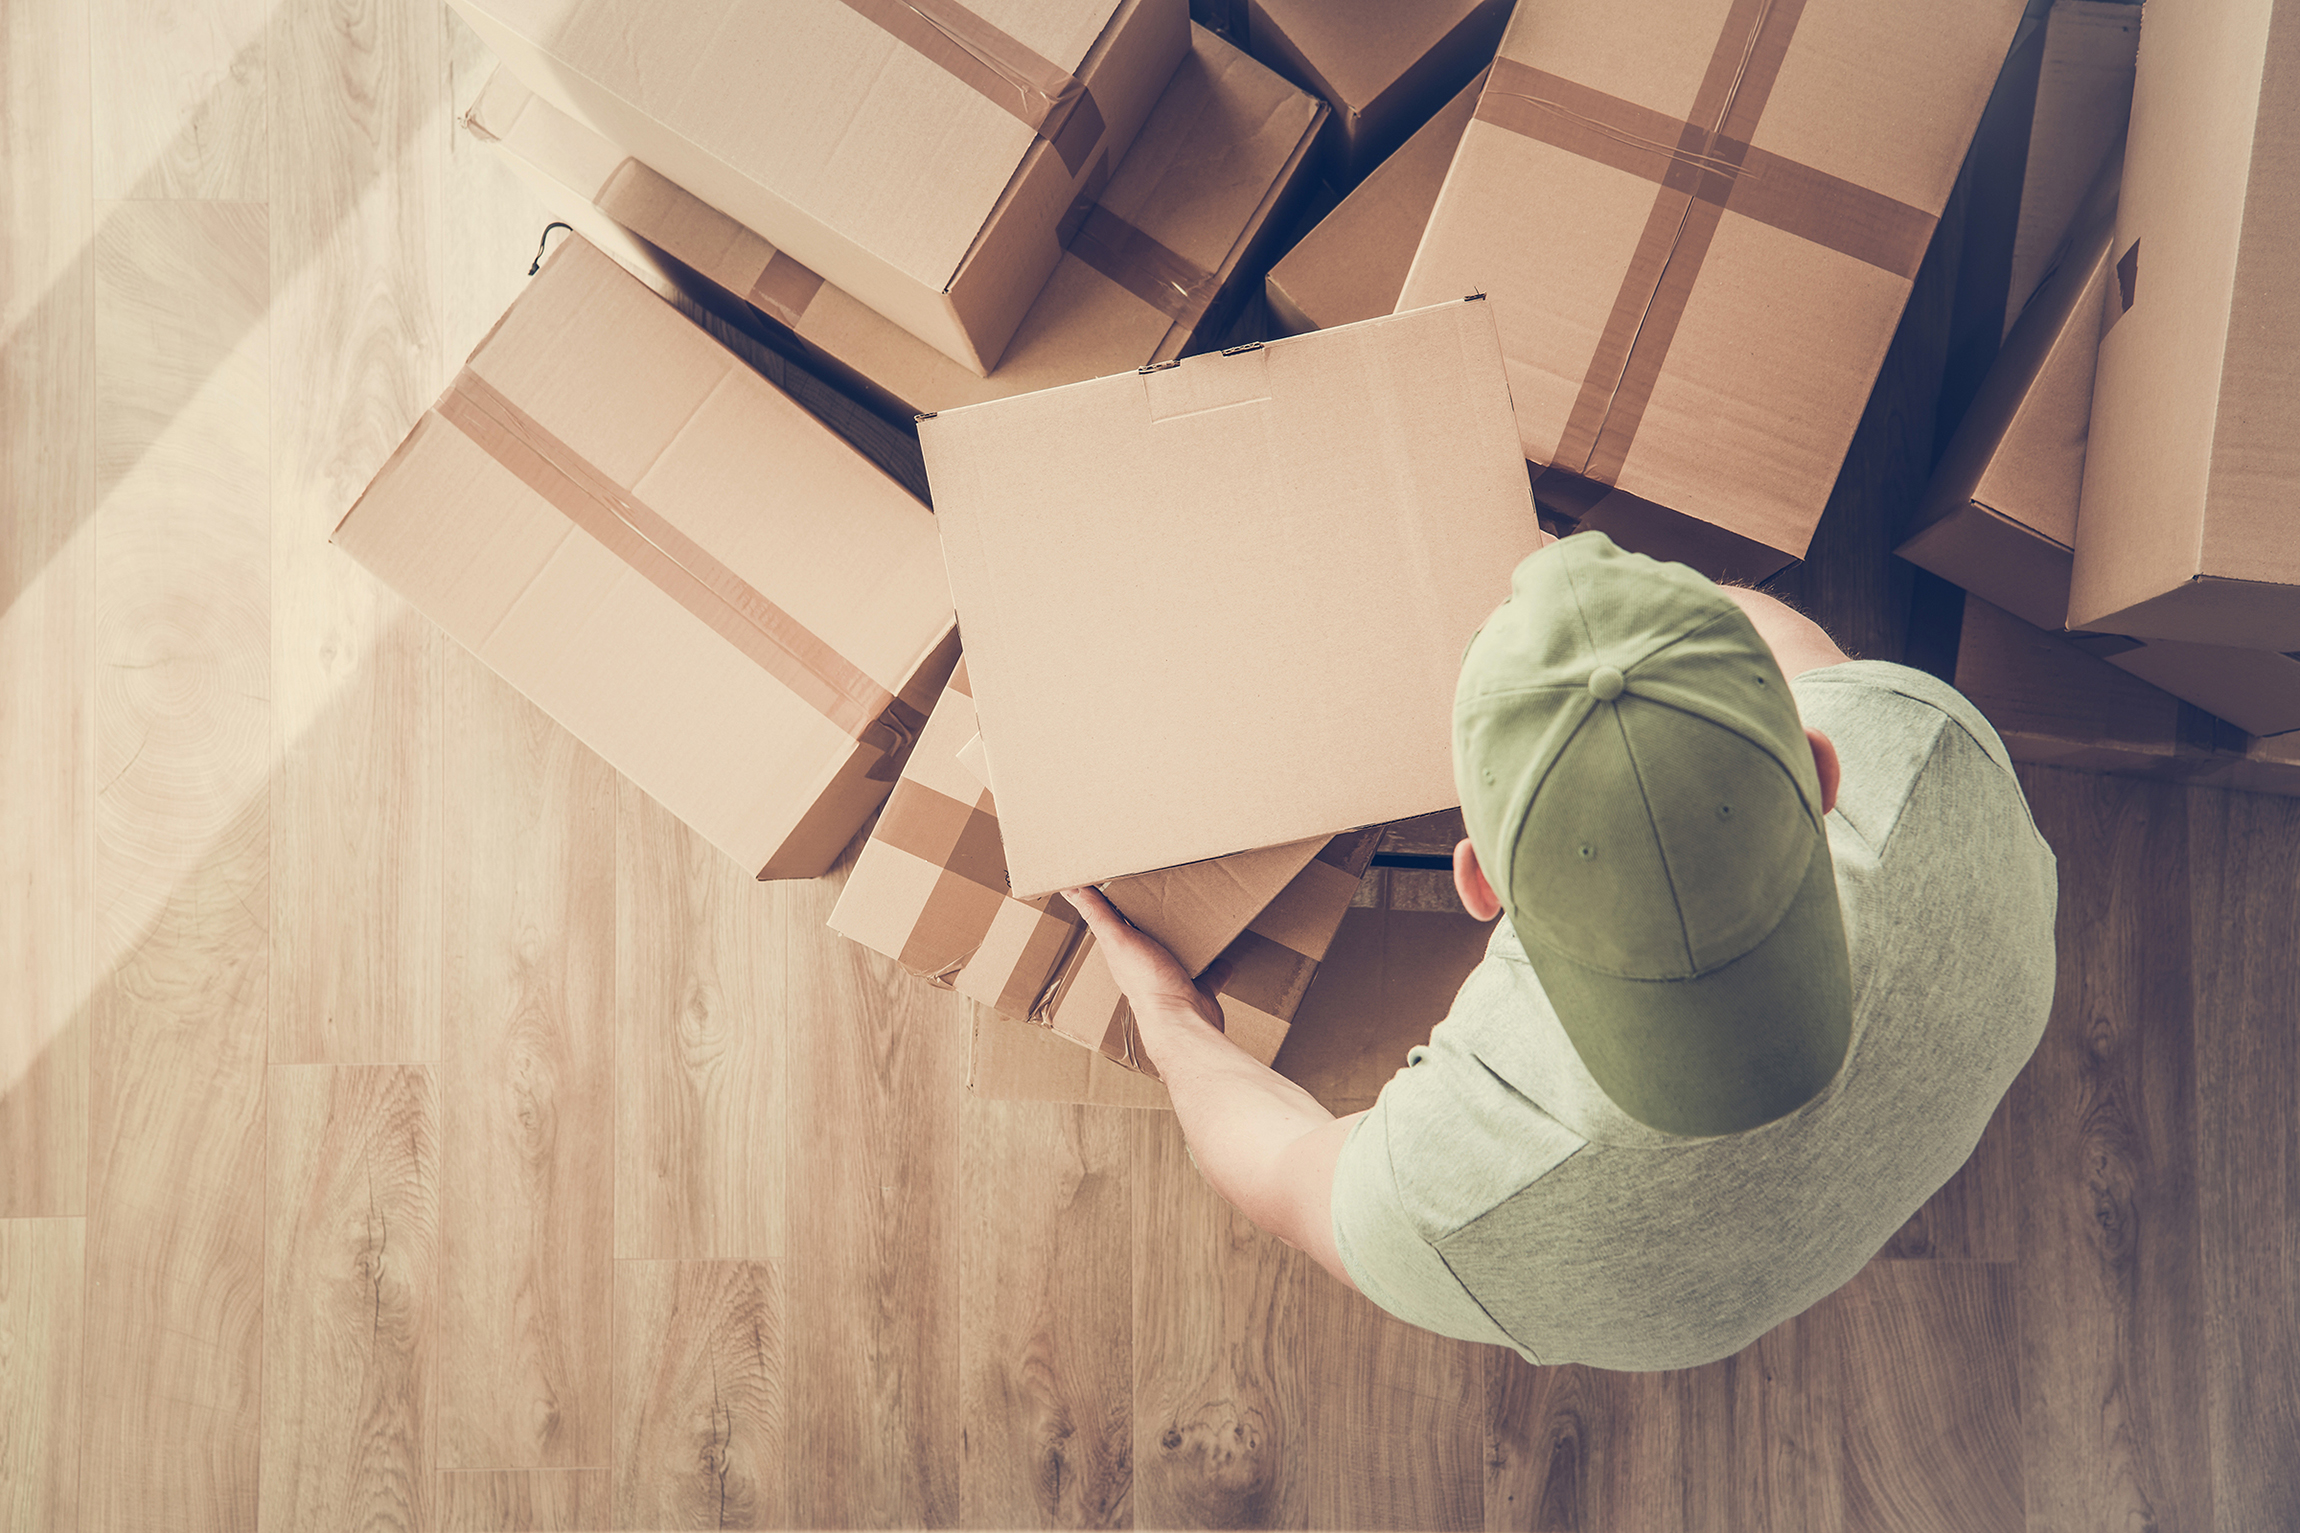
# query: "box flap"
2083,100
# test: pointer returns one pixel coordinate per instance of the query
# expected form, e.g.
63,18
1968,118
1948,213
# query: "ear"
1825,763
1477,896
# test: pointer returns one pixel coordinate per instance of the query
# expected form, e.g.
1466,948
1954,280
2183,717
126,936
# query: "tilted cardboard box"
1383,65
689,572
2083,101
1698,225
930,890
2191,526
1221,603
1353,265
1150,271
922,154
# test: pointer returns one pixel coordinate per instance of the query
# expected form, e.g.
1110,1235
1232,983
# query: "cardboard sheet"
920,153
1384,65
693,575
2192,478
1222,604
1698,236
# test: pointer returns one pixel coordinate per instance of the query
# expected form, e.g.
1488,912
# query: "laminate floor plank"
180,102
1929,1397
2244,879
700,1396
40,1307
358,726
1541,1425
351,1297
2112,1362
1221,1359
47,607
524,1501
176,1166
527,1180
701,1028
1046,1316
1393,1417
1973,1217
872,1146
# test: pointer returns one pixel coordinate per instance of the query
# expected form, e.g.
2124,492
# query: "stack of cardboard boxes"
1212,587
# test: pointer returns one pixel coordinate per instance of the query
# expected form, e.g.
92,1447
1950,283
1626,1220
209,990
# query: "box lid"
897,122
683,567
1221,603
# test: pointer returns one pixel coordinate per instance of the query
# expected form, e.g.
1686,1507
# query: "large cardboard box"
1383,65
1221,603
1151,272
689,572
2192,481
1698,225
922,154
2083,101
930,890
1353,265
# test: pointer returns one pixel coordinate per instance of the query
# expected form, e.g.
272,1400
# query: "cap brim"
1728,1050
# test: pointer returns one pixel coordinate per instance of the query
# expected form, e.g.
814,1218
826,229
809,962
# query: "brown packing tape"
783,290
1172,284
1704,164
1035,90
677,566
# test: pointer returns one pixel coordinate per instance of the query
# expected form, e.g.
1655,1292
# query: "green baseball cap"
1641,795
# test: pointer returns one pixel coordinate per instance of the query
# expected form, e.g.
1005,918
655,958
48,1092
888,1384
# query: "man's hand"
1150,976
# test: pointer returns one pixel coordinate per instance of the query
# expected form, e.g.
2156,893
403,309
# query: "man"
1779,937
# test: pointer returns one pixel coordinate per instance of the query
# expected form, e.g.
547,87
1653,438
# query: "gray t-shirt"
1495,1193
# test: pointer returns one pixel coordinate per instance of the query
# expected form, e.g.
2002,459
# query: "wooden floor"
405,1124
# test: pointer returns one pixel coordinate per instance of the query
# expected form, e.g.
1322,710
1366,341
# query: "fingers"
1093,904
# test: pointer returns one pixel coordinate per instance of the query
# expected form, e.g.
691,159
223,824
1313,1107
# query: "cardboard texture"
1221,604
1383,65
2192,479
1353,265
1260,980
2055,705
2083,101
1151,272
1698,225
2257,690
930,891
693,575
922,154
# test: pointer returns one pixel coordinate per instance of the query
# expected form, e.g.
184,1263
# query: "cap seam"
1676,900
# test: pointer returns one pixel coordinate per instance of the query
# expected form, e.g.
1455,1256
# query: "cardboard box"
1383,65
689,572
2192,482
1353,265
1221,603
922,154
2083,101
1698,225
1151,273
2055,705
930,891
1260,980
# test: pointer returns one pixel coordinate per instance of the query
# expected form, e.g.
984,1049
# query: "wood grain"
40,1276
1046,1316
1221,1369
356,811
700,1396
351,1297
527,1181
1542,1429
872,1146
175,1199
2112,1365
1929,1398
523,1501
180,100
2244,879
701,1026
1393,1417
1972,1217
47,599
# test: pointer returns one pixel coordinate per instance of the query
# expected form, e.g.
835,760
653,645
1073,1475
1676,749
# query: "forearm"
1237,1114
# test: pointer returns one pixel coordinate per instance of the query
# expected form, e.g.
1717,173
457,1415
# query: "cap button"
1605,683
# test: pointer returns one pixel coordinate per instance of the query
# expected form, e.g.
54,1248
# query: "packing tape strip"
679,567
1174,285
1046,98
783,290
1703,165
